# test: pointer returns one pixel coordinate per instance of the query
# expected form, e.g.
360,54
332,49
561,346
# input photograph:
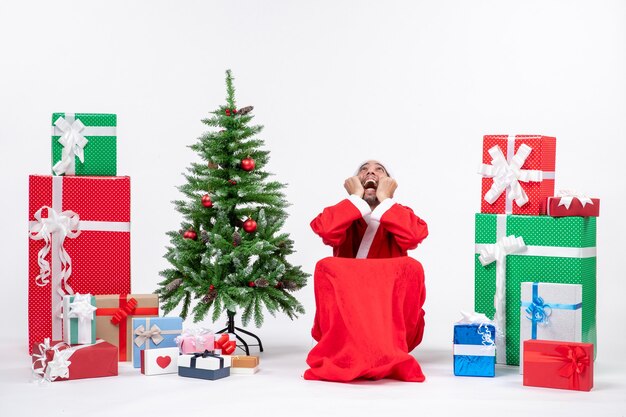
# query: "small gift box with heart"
58,361
154,332
79,319
159,361
474,346
84,144
572,203
205,365
195,340
558,364
550,312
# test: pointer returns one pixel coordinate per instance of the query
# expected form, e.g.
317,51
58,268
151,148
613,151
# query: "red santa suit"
355,231
369,314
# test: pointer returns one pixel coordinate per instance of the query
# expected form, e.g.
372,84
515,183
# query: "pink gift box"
195,341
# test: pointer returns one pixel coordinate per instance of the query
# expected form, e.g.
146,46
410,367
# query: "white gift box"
159,361
550,312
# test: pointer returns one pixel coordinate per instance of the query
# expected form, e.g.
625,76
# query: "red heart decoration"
163,361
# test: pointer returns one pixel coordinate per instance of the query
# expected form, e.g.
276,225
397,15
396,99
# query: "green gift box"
512,249
84,144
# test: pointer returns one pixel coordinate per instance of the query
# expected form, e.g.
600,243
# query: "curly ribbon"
53,230
497,253
143,335
59,225
538,311
574,358
123,312
227,343
73,143
80,308
567,196
59,366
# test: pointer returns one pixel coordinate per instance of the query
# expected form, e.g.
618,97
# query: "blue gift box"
205,365
154,332
474,350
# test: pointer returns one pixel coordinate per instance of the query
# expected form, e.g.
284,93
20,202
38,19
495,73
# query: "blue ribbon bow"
538,311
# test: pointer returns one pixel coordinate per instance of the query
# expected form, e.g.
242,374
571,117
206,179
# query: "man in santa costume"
369,223
369,313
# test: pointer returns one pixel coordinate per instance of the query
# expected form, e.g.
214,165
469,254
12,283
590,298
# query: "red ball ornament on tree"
232,182
211,287
206,201
251,284
249,225
247,164
190,234
227,111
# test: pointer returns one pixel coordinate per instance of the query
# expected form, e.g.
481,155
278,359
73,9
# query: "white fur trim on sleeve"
360,204
382,208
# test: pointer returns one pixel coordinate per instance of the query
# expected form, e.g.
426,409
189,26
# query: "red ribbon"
123,312
228,346
120,316
574,358
576,361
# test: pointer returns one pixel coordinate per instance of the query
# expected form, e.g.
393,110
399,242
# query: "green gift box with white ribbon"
79,319
512,249
84,144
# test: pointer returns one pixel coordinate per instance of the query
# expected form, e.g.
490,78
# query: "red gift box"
558,364
79,242
58,361
517,180
572,206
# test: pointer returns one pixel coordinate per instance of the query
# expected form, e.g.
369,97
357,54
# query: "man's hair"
377,162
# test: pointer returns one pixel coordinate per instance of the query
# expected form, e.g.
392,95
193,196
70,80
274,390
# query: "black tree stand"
230,328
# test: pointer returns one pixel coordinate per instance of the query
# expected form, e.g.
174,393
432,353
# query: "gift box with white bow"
572,203
195,340
550,312
79,319
154,332
58,361
84,144
79,230
518,173
514,249
159,361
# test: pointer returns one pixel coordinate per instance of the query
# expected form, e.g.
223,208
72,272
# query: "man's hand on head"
353,186
386,187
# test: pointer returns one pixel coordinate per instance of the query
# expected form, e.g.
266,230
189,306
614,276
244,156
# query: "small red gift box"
58,361
79,243
572,205
558,364
518,173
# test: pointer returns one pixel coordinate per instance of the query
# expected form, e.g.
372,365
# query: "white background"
414,84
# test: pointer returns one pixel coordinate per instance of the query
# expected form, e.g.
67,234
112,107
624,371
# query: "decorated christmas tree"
230,254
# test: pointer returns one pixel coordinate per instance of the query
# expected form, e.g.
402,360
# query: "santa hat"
378,162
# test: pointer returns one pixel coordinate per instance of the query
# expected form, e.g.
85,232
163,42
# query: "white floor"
278,389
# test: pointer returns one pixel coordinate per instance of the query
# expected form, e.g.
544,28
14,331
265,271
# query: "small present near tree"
230,254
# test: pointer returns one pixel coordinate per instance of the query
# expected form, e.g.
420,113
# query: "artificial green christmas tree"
230,254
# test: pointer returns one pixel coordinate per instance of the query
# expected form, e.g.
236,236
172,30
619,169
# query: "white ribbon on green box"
498,253
79,319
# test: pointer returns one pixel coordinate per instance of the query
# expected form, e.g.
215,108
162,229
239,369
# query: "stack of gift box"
82,317
535,266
